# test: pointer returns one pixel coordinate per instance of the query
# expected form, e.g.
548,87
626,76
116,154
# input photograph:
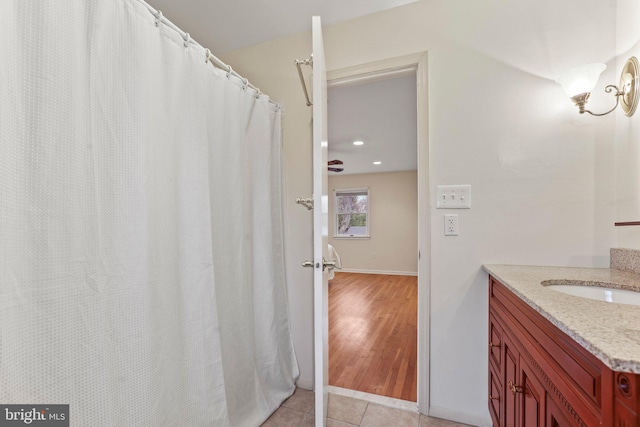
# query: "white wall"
628,132
543,177
393,203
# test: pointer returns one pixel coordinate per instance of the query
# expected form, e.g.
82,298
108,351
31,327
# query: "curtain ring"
258,93
245,82
158,18
229,71
207,55
187,38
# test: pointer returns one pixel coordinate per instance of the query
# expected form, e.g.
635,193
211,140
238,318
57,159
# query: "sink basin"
594,290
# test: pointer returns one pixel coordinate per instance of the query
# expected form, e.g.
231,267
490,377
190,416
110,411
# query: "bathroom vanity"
562,360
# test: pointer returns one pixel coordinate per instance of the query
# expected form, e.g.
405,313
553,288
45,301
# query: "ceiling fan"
334,163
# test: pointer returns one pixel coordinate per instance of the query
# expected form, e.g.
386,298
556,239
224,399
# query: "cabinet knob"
624,385
514,388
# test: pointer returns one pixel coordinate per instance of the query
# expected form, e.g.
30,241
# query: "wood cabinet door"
510,376
555,416
533,397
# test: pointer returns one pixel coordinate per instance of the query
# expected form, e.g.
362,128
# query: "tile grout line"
363,413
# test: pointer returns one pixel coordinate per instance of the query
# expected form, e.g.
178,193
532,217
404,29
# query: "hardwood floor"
373,334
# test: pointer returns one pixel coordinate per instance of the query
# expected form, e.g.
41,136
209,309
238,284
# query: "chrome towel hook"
307,203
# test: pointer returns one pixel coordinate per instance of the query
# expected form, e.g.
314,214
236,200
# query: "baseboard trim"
386,272
459,417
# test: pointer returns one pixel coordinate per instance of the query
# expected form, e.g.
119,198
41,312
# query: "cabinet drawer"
495,343
555,416
495,396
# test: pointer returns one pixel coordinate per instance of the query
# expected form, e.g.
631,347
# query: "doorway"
373,334
369,264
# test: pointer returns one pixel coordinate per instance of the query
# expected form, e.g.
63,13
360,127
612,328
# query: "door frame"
395,67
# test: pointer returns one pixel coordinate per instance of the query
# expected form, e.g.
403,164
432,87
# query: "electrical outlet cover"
451,225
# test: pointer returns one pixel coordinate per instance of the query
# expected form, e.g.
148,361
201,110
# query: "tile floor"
347,410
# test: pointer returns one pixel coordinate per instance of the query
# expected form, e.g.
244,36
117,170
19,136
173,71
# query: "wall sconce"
580,81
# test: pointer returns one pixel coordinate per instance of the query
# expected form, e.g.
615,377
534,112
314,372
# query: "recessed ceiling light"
377,163
358,143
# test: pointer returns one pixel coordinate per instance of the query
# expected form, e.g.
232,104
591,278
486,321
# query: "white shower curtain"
141,258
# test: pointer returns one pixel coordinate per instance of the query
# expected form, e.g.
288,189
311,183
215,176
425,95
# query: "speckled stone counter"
610,331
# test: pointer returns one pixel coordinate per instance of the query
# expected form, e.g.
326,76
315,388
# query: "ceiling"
382,114
223,26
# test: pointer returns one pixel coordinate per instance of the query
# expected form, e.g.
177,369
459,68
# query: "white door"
320,226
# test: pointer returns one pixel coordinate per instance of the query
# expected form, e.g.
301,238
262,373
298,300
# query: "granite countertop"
610,331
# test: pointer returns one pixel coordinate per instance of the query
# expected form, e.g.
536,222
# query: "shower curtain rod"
209,57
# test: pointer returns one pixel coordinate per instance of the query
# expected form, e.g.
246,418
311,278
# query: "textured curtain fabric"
141,247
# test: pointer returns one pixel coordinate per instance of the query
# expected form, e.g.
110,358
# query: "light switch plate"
453,197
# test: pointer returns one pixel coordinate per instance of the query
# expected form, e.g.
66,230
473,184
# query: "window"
352,213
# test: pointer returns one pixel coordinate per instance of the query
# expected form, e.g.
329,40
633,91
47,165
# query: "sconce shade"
581,79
